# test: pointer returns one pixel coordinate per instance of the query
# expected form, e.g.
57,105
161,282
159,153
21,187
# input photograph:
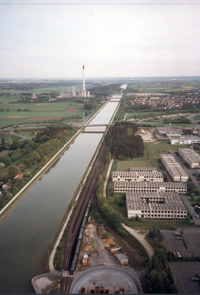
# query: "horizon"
99,78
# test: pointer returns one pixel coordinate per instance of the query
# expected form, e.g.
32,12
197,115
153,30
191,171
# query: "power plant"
83,93
71,90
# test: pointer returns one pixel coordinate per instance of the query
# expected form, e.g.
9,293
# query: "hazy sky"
112,38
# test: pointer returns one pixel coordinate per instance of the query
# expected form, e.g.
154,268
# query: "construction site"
102,266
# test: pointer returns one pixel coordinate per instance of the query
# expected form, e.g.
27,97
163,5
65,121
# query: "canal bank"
27,230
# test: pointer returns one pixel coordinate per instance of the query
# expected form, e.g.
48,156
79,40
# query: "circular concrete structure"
111,277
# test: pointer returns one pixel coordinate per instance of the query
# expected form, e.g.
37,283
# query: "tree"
152,232
155,282
6,160
3,144
192,197
12,171
187,219
15,145
155,263
34,158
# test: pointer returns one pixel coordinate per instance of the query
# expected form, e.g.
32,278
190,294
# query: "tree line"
159,278
32,153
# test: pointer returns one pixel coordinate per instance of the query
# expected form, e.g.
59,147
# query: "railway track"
119,240
73,231
77,218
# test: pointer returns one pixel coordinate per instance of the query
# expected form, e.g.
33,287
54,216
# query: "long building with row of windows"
151,187
154,176
155,205
174,169
190,156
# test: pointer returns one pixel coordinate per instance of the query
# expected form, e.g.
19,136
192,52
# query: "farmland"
19,113
164,87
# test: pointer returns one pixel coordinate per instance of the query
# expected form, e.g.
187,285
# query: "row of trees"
105,90
159,278
181,119
36,152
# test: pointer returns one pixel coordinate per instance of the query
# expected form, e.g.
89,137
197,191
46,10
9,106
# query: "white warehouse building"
190,156
174,169
137,176
185,140
151,187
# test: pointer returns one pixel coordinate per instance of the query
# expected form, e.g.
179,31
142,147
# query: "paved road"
141,238
190,209
182,274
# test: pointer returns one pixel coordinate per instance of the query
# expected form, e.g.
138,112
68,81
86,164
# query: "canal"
27,230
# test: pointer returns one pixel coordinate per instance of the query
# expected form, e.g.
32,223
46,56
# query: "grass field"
159,123
150,158
7,137
160,88
38,111
197,117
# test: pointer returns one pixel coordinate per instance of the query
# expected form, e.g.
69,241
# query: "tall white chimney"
83,80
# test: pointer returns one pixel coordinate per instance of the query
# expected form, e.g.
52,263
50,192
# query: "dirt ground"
96,247
103,268
71,110
44,118
147,136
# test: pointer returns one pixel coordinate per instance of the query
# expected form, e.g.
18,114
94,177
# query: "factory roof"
136,173
173,165
144,184
143,169
190,154
156,201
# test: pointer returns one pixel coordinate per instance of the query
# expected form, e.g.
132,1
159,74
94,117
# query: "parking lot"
182,272
192,238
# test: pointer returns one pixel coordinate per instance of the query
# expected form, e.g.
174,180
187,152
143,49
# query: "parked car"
177,233
178,254
194,279
197,216
179,238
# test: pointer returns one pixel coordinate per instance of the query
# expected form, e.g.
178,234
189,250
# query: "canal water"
27,230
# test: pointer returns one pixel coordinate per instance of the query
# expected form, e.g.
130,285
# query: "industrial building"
151,187
190,156
185,140
169,131
155,205
71,91
174,169
137,176
143,169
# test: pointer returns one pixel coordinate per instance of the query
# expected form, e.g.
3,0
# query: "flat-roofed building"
143,169
155,205
174,169
137,176
185,140
169,131
190,156
151,187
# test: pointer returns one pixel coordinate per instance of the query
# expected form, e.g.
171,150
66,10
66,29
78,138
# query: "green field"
150,158
7,137
38,111
197,117
155,87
